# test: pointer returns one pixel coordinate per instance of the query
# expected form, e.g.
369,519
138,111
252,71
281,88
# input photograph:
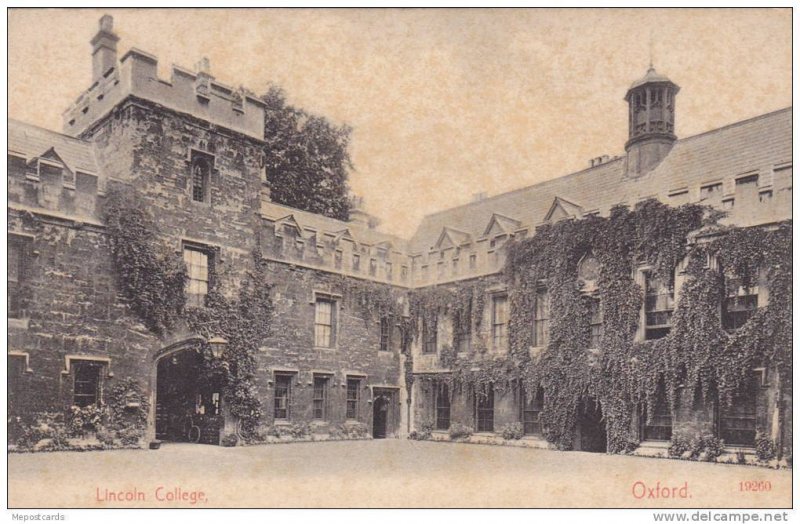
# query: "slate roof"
33,142
360,233
754,145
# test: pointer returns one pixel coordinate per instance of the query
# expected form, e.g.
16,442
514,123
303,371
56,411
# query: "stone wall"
291,347
71,308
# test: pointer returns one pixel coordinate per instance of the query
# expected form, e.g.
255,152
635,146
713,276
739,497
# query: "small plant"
712,447
512,431
357,430
424,433
678,445
84,420
300,430
765,447
230,441
107,437
460,431
741,458
130,436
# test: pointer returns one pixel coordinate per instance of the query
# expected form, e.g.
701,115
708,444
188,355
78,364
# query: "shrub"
712,447
678,445
84,420
336,433
107,437
699,446
424,433
765,447
230,441
460,431
356,430
130,436
740,457
300,430
512,431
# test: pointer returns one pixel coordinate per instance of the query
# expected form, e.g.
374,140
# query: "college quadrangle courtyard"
387,473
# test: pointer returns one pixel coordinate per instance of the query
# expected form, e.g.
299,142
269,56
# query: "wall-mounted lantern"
217,345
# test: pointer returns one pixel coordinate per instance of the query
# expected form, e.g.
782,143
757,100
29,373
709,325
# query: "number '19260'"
755,485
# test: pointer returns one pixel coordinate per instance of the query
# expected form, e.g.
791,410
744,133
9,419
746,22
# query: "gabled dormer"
501,225
344,234
451,237
286,224
562,208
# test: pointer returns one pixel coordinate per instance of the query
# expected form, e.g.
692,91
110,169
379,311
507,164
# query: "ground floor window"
484,410
17,365
442,403
737,420
283,395
353,397
86,390
531,411
659,427
320,400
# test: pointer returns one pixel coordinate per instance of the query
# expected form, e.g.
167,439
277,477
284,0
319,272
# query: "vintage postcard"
400,258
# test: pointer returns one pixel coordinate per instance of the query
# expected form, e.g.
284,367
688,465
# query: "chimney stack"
104,48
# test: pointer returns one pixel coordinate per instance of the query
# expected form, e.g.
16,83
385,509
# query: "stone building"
192,147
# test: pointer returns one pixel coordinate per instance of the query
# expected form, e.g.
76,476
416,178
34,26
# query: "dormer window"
201,175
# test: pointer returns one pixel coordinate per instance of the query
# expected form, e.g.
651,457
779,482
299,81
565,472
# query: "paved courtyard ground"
390,473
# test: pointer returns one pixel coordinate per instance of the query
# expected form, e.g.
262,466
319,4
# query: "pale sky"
444,103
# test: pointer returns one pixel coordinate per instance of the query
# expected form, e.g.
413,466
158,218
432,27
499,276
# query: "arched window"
201,171
588,273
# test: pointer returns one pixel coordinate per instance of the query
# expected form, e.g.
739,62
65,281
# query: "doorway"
188,399
380,414
591,427
385,413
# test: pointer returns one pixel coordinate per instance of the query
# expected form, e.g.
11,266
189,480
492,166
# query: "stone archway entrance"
188,400
591,427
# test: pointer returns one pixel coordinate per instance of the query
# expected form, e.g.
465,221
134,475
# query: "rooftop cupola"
104,48
651,121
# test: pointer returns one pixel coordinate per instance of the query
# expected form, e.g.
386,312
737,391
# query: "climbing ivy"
622,373
244,322
151,276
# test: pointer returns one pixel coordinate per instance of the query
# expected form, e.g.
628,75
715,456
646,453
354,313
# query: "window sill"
538,438
282,422
324,348
655,444
747,450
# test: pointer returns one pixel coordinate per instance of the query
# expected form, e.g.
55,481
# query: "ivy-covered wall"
699,364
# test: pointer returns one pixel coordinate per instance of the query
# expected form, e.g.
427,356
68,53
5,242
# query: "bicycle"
191,430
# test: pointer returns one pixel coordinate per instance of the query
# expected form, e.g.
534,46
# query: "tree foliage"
306,158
